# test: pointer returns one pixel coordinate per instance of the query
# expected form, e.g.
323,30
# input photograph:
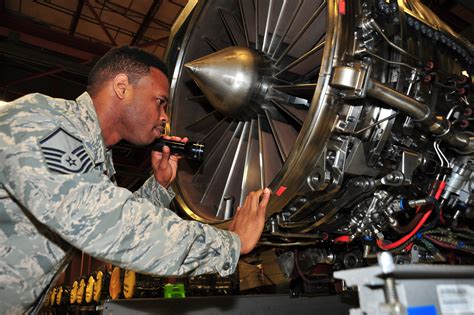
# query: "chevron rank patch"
64,153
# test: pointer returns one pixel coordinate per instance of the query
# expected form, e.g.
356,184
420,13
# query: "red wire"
440,190
417,227
406,237
441,219
437,196
409,247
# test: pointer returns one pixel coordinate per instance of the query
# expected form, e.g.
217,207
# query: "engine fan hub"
235,80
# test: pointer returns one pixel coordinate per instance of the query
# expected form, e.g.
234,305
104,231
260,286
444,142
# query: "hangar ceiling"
49,46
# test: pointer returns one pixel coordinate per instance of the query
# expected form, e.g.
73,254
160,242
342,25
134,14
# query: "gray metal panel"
416,286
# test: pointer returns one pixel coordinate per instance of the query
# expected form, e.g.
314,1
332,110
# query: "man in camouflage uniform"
56,193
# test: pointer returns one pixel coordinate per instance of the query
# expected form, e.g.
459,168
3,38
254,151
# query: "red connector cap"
342,239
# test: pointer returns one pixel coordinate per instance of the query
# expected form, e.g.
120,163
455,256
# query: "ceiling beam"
146,22
76,17
102,25
20,37
35,34
16,51
32,77
114,7
177,4
38,75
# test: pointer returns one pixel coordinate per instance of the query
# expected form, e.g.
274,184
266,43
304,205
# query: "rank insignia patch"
65,153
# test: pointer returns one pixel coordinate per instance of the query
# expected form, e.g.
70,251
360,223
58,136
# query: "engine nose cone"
231,80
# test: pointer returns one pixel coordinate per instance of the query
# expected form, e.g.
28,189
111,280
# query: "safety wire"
464,99
448,164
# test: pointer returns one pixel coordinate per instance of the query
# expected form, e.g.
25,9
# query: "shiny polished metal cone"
229,78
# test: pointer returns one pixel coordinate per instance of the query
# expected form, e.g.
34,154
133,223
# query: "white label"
456,298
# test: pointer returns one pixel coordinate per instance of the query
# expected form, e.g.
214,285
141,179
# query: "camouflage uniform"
55,195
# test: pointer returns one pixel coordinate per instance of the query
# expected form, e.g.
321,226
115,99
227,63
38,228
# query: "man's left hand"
164,164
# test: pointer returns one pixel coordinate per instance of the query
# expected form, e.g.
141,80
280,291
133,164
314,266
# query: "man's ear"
121,85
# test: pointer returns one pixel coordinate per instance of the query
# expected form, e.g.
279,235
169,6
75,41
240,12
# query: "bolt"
417,25
351,119
302,200
423,29
385,261
320,215
315,179
292,209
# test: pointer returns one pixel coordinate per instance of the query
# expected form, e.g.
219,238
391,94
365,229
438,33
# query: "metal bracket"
352,79
409,163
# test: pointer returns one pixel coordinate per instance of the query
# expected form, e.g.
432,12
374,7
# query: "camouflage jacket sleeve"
156,193
108,222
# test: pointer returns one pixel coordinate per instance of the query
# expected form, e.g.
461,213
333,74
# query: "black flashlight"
192,150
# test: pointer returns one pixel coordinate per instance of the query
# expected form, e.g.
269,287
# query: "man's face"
145,114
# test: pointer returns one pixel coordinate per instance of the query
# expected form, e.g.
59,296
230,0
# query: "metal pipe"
438,125
296,235
403,64
262,243
372,24
412,107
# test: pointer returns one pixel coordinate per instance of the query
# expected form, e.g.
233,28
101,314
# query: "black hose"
410,226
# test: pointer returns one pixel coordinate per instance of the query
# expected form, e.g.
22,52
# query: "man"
56,195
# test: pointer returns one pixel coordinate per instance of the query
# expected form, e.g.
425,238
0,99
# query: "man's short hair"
132,61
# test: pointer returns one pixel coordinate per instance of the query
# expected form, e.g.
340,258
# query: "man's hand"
164,164
249,219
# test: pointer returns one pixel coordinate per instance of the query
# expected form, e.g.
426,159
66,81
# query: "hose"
406,237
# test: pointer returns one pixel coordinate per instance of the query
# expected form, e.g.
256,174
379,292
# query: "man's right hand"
165,165
249,220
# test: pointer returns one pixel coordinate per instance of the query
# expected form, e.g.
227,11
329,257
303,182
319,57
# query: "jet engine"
355,113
